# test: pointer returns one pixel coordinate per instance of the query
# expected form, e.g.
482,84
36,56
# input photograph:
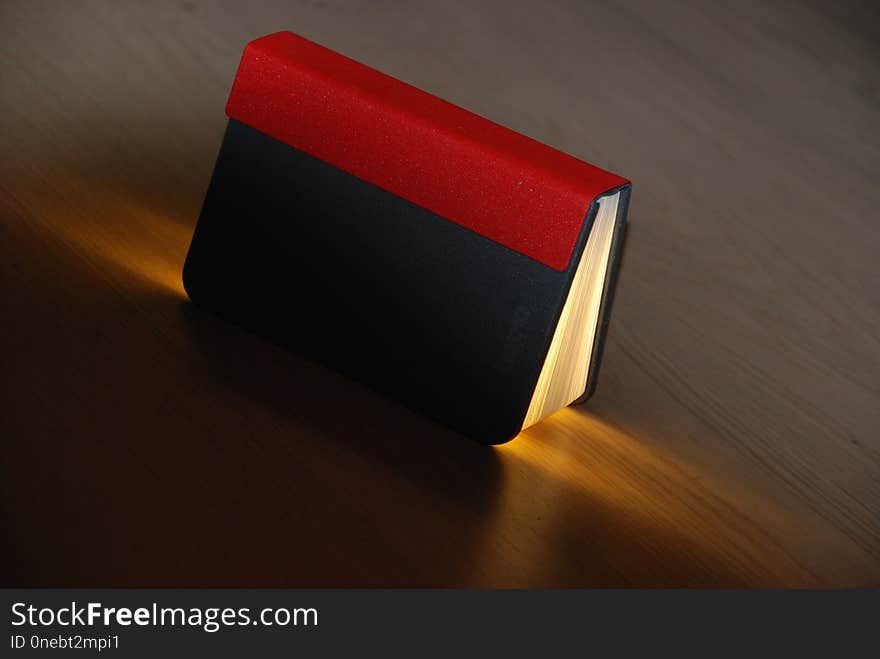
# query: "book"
456,266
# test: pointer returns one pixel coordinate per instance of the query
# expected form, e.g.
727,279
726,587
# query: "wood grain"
733,440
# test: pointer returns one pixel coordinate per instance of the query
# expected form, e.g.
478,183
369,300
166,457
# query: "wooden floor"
735,436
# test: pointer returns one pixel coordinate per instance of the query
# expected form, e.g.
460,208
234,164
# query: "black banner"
135,623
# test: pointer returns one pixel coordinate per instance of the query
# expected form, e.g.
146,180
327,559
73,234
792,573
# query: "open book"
457,267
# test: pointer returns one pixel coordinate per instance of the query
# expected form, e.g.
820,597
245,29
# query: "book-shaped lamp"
454,265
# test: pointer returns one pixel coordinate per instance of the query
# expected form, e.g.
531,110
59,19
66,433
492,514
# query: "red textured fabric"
476,173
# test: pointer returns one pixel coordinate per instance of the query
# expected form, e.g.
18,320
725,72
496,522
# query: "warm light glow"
564,375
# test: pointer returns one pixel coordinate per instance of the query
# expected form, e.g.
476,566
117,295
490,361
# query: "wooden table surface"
735,436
